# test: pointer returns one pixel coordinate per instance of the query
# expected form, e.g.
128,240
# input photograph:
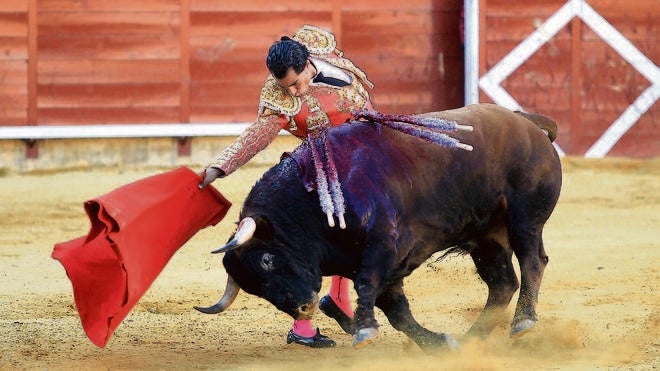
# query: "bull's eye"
267,261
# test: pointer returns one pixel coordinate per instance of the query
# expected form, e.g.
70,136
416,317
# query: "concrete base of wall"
66,154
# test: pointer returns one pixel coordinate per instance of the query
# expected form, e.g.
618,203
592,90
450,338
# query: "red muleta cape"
134,232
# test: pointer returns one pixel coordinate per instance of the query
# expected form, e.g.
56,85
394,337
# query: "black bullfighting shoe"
330,309
316,341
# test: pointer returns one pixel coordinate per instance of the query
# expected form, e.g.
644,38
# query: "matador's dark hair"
284,54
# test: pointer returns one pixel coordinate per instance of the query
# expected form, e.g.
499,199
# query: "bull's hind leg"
493,263
527,244
394,304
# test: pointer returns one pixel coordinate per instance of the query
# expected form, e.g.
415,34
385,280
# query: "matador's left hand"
209,175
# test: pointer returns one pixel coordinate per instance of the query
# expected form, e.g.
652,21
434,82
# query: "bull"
405,199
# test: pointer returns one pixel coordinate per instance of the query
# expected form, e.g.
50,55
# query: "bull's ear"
264,230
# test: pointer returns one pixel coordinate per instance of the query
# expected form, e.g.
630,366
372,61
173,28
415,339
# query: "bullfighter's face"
269,272
297,84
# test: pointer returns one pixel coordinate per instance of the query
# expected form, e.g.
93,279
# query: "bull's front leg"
394,304
377,260
366,326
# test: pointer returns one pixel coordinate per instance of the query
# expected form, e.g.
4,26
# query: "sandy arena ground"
599,303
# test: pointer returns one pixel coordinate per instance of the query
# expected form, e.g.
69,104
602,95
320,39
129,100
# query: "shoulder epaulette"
276,98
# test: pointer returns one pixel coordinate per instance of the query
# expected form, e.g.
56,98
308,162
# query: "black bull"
405,200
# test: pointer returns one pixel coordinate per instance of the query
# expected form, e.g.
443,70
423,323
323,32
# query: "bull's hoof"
521,327
437,342
364,336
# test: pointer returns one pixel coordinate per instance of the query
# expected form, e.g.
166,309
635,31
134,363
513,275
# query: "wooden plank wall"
416,55
13,62
576,77
410,50
108,61
228,45
158,61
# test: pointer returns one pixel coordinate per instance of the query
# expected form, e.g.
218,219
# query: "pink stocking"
339,292
304,328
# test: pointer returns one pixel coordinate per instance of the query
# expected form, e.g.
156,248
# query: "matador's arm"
250,142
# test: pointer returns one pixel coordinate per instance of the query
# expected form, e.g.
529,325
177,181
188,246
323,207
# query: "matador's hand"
209,175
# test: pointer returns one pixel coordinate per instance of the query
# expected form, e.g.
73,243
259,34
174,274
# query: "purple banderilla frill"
423,127
327,179
332,201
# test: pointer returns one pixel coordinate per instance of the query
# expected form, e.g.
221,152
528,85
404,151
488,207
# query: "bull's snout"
307,310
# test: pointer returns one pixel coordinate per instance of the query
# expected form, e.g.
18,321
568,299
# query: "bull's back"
504,142
502,134
509,148
386,171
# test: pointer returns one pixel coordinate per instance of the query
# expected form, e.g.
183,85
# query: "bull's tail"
545,123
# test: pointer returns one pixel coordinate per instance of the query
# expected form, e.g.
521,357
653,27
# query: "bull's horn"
243,234
231,292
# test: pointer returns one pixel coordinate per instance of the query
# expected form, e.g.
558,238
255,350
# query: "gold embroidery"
352,96
253,140
347,65
275,97
292,124
322,44
317,40
317,117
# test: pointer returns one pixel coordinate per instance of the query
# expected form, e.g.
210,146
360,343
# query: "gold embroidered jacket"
323,105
